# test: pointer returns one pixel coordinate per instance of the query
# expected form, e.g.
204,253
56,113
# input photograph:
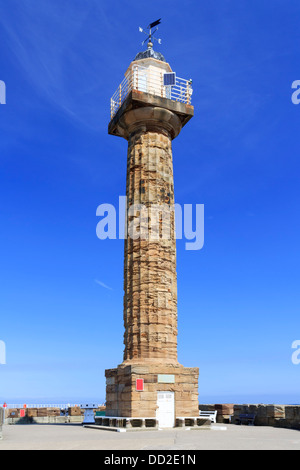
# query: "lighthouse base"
163,392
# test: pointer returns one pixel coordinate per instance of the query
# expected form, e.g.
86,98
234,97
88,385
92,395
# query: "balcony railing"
143,79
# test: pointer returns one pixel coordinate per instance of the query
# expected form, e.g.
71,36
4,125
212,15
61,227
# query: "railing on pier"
62,406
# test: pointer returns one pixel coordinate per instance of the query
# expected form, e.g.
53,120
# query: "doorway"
165,413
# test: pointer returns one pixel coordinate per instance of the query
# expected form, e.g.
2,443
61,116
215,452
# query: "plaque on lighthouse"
149,111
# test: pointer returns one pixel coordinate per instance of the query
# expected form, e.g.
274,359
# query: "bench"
212,415
246,418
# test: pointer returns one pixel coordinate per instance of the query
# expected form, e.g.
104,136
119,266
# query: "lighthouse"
149,109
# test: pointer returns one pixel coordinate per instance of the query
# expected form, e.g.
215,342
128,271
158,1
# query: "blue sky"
238,297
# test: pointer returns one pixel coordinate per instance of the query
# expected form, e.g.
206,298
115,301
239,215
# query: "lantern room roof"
150,53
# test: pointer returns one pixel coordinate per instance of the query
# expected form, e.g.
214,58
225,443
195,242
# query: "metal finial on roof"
150,33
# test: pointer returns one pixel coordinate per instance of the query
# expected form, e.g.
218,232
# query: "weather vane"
150,33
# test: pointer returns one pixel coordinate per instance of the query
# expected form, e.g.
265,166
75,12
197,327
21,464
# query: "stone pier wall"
285,416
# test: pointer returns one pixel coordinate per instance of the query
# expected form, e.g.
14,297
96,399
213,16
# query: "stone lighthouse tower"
149,109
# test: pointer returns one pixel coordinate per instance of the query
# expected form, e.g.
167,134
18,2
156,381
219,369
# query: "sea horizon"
207,401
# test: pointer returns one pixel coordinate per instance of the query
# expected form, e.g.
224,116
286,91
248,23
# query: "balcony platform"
138,99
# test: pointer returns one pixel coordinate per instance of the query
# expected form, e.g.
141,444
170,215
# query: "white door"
165,413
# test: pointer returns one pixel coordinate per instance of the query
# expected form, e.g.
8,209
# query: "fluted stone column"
150,284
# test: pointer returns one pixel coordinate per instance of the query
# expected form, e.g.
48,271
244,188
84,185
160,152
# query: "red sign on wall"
139,385
22,413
